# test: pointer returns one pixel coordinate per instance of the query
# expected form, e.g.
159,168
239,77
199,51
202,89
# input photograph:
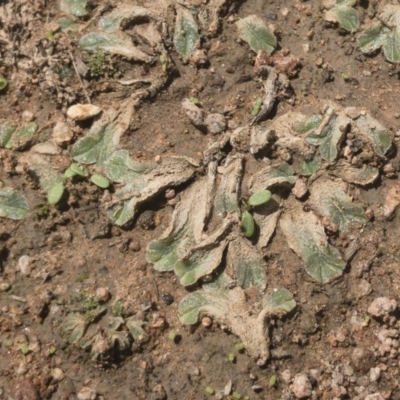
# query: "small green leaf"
75,324
186,36
254,31
231,358
74,7
100,180
259,198
257,106
273,381
24,348
280,301
239,347
247,224
210,390
75,169
3,83
12,204
55,193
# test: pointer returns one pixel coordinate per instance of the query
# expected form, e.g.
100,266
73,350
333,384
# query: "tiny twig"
79,77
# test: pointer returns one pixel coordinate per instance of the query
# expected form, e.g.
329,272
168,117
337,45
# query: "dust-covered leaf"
7,129
375,133
74,7
98,145
272,175
186,227
372,39
3,83
308,124
13,205
310,167
330,199
75,325
347,18
143,185
306,237
255,32
330,137
122,169
260,197
186,36
248,225
279,302
226,196
245,264
391,46
360,176
113,42
204,258
135,327
190,307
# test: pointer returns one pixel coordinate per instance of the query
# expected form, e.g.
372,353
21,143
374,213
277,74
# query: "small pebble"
382,306
87,393
103,294
27,116
57,374
206,321
301,387
374,396
61,133
374,374
24,265
286,376
170,194
80,112
167,298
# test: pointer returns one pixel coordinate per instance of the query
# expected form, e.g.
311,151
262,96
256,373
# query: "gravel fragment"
374,396
61,133
382,306
25,390
194,113
362,359
301,387
286,376
216,123
27,116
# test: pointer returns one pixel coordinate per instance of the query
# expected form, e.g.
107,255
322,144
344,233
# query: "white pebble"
286,376
24,265
374,374
27,116
80,112
374,396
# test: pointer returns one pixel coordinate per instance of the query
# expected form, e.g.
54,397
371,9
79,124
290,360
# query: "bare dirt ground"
67,263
